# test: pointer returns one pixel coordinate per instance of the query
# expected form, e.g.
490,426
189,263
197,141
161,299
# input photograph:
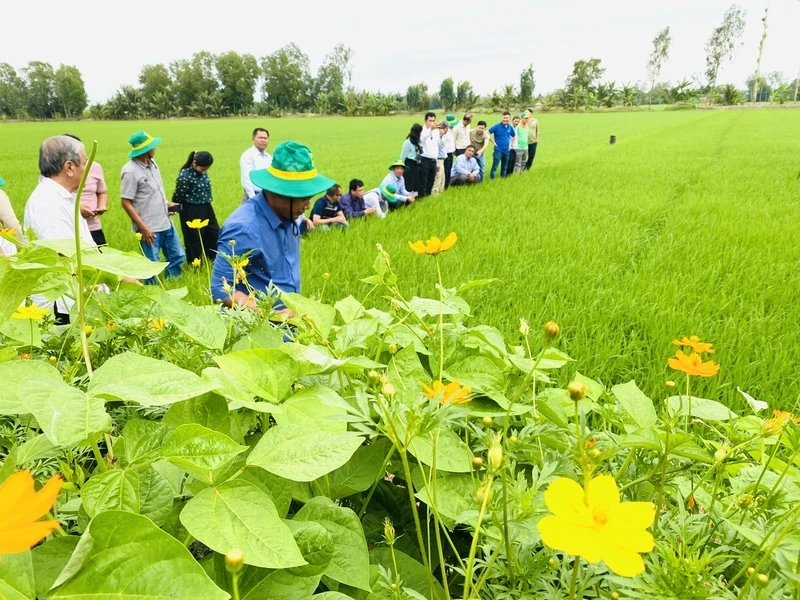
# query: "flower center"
696,360
600,516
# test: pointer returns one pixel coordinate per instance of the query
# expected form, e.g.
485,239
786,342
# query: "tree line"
209,85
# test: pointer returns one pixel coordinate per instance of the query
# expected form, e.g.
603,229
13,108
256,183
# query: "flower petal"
22,538
37,504
633,515
561,534
418,246
434,245
562,496
13,492
449,241
603,491
622,562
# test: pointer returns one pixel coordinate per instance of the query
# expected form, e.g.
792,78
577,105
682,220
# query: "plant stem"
474,546
412,499
436,520
663,474
574,583
235,585
441,318
98,456
777,484
763,472
79,259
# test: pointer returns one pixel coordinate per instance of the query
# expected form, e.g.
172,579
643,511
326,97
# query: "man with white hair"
50,210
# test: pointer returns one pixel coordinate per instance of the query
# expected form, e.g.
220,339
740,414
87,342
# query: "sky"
397,44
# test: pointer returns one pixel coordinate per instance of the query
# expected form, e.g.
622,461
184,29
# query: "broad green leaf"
407,374
756,405
482,375
330,596
349,308
320,315
412,573
66,415
483,336
406,335
200,451
550,404
66,246
155,495
638,406
20,331
277,488
360,472
265,335
428,307
267,373
49,559
314,407
116,489
237,395
594,389
15,286
700,408
9,464
551,358
455,495
125,557
12,375
642,438
143,440
484,407
36,448
16,577
303,454
350,561
452,454
312,360
355,334
209,410
237,514
147,381
122,264
202,324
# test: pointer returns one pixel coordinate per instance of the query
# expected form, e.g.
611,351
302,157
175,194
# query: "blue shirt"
275,259
502,136
399,184
465,166
352,207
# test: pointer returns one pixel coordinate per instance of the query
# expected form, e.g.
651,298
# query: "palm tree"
509,96
607,94
730,96
495,100
629,95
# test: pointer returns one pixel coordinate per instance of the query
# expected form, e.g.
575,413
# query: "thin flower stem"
486,570
664,461
574,583
474,546
413,501
441,318
377,481
235,585
689,399
509,556
436,519
777,483
98,456
396,570
763,472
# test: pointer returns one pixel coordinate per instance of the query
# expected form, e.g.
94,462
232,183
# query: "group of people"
276,193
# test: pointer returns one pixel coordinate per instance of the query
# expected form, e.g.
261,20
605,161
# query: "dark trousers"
99,237
427,173
531,155
512,158
448,166
209,233
460,151
60,318
411,175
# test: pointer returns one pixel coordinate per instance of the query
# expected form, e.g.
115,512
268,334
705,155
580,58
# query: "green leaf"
16,577
265,335
482,375
302,454
551,358
116,489
237,514
594,389
315,407
210,411
277,488
9,464
235,392
312,360
551,404
349,308
15,286
200,451
147,381
412,573
360,472
36,448
484,407
638,406
350,561
355,334
13,373
700,408
455,495
143,440
452,454
66,415
155,495
321,315
267,373
49,559
642,438
122,264
125,557
407,374
18,330
202,324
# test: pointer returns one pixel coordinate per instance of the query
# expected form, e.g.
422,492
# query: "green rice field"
687,225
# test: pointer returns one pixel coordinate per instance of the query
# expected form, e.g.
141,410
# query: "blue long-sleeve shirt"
465,166
399,184
352,207
275,260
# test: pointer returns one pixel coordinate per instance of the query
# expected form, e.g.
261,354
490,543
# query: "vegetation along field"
582,389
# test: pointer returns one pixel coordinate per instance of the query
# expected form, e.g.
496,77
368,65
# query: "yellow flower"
88,329
772,427
695,344
693,365
138,236
786,416
30,313
9,231
434,245
20,509
157,324
197,224
604,529
452,392
196,262
111,325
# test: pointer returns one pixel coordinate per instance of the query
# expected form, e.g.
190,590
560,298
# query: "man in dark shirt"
327,212
352,203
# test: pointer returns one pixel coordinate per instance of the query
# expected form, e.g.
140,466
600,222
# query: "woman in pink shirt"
94,201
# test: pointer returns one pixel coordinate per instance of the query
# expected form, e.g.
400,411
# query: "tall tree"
287,78
660,54
509,95
336,71
238,74
12,93
192,78
464,93
527,84
155,79
41,79
722,43
760,55
584,75
70,91
447,95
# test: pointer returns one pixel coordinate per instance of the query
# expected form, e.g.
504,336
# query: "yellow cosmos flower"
452,392
695,344
786,416
693,365
197,224
138,236
434,245
20,510
157,324
9,231
196,262
604,529
30,313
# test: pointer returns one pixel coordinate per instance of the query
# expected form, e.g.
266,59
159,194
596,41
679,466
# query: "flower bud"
234,560
750,570
392,348
111,325
576,390
614,595
388,389
721,453
746,501
763,578
495,456
477,462
594,453
524,328
487,420
232,242
374,377
88,329
388,531
551,329
670,385
553,563
484,494
772,427
326,276
513,439
53,360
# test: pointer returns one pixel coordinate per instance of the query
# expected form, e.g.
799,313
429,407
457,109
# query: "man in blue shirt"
259,244
501,135
466,169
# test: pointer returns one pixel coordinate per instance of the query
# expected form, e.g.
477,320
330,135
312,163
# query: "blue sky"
397,44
